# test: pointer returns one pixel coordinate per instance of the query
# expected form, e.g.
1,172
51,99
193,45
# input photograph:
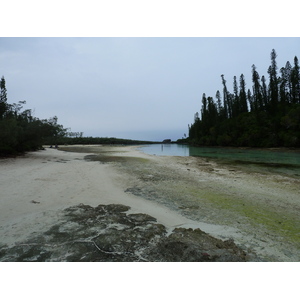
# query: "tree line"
66,140
20,131
267,115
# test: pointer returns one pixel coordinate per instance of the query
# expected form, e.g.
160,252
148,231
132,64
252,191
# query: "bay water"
282,161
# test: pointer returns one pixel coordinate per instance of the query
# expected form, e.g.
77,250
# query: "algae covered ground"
263,207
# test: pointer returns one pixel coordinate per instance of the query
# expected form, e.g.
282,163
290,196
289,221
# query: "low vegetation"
20,131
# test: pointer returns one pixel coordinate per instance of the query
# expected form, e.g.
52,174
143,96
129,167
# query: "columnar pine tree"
283,87
257,96
236,99
225,97
3,98
219,103
204,107
288,74
250,100
264,91
295,82
243,96
273,85
273,119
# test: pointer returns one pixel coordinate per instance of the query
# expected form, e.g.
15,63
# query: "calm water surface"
287,162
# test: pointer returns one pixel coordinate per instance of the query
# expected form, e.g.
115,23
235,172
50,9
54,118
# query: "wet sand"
257,211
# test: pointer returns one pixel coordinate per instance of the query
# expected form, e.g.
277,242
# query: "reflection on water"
287,162
167,149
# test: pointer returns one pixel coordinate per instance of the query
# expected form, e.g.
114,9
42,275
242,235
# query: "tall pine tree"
257,96
273,85
3,98
295,82
243,95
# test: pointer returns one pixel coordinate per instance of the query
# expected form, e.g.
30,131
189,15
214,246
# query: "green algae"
285,225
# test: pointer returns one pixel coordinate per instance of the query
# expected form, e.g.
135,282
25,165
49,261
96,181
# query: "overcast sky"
136,88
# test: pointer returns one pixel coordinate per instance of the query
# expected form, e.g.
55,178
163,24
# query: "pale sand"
35,189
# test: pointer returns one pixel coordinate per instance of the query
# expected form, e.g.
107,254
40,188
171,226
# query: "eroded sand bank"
258,211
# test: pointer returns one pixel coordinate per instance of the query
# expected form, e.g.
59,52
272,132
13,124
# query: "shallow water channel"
286,162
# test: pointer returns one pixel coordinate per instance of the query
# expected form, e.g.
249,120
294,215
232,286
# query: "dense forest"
20,131
268,115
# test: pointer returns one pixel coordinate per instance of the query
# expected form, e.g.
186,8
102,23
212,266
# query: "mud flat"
95,196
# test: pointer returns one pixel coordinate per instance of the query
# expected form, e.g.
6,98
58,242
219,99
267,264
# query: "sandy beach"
258,211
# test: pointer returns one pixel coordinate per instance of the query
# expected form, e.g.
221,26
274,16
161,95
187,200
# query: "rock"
196,245
107,233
